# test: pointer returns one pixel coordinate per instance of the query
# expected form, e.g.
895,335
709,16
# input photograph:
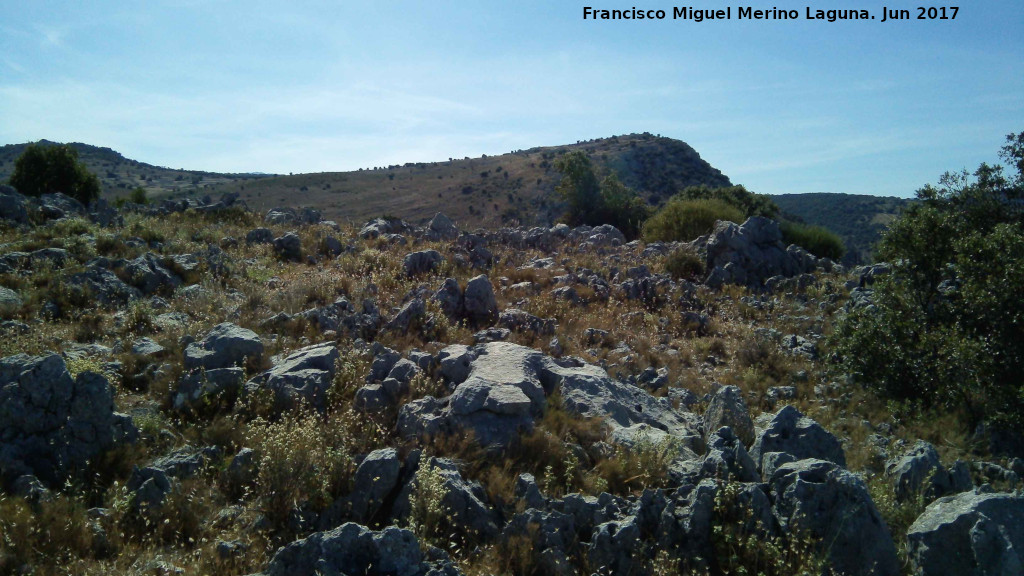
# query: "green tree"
595,202
579,187
950,313
621,207
43,169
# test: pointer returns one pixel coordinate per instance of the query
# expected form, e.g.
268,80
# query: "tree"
621,207
593,203
579,187
43,169
950,313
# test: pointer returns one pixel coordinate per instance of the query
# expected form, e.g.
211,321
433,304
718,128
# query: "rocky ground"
193,388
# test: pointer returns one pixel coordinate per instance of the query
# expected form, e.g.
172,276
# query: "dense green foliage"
593,203
817,240
859,220
44,169
749,203
684,220
947,326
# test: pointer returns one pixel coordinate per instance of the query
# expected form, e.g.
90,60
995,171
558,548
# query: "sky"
780,106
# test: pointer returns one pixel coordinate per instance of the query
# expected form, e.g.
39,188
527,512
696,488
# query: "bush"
684,264
684,220
950,313
44,169
817,240
749,203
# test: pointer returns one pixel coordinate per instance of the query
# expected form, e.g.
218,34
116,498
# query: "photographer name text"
885,14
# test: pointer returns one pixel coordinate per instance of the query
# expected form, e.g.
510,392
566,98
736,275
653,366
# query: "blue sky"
779,106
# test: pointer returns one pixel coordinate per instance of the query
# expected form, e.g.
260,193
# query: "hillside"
486,191
857,218
119,175
189,389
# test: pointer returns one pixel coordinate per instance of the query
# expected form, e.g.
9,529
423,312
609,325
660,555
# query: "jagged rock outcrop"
795,437
100,284
727,408
225,346
341,317
819,499
304,376
354,549
52,425
919,471
751,253
970,534
501,388
416,263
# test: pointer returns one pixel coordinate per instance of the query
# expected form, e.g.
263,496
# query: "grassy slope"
485,191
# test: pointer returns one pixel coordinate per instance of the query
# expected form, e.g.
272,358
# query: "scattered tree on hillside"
593,203
950,313
45,169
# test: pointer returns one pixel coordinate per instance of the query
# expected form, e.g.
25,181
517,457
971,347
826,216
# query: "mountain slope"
119,175
486,191
858,219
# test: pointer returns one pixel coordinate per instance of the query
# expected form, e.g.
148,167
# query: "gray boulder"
505,387
413,311
150,276
289,247
449,298
416,263
303,376
969,534
820,500
727,408
260,236
441,227
59,205
919,471
380,227
464,503
102,286
750,253
10,301
792,433
518,320
341,317
354,549
13,205
224,346
203,388
479,302
375,478
52,425
280,216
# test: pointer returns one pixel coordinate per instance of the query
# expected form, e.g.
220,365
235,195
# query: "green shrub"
817,240
43,169
684,220
950,313
749,203
684,264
